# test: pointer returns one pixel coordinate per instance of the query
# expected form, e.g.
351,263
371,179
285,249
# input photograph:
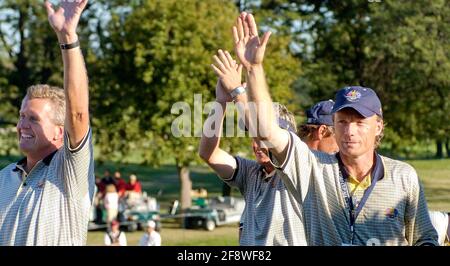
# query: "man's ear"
59,133
379,126
320,132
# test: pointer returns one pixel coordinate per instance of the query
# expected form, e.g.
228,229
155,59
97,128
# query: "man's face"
36,131
355,135
262,154
117,175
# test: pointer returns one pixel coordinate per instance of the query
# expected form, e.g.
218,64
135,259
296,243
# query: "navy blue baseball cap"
364,100
320,114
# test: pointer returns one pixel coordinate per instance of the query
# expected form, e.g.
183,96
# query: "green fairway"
435,176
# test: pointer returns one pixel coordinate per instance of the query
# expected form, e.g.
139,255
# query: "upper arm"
419,229
280,142
222,163
79,168
296,166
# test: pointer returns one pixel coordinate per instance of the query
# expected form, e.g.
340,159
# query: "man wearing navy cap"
318,131
354,197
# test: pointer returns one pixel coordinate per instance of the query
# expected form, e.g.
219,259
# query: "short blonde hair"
55,95
378,138
285,114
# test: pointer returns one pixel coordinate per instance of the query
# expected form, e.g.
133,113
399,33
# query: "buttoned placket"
24,177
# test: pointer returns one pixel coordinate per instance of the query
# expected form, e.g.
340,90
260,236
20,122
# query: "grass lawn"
172,235
435,177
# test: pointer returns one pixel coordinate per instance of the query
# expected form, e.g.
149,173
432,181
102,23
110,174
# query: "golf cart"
133,214
218,211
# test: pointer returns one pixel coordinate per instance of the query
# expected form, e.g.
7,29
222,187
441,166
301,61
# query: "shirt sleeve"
107,240
297,168
157,240
419,229
122,239
245,169
79,167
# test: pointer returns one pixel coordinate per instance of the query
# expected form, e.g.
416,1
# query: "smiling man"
355,197
271,216
45,198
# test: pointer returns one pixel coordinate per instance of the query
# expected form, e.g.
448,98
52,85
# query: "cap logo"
353,95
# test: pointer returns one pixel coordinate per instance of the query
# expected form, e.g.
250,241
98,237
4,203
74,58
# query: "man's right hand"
248,47
64,20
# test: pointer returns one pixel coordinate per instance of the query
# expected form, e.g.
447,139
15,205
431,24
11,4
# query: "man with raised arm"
271,217
355,197
45,198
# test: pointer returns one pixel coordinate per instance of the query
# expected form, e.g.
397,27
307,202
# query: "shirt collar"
377,172
22,162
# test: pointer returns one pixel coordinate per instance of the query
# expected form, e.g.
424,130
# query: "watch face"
237,91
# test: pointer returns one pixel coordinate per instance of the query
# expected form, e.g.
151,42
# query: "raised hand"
65,19
228,71
249,47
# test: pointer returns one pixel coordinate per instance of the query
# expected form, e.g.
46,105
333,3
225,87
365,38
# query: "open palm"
249,47
65,19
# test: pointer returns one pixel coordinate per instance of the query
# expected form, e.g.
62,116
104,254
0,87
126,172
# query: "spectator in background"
98,199
134,185
150,237
115,237
121,185
111,203
133,190
107,179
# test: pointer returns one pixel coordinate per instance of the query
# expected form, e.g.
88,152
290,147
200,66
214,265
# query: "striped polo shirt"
51,204
395,213
272,216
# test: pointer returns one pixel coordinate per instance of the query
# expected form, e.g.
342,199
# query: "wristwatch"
67,46
239,90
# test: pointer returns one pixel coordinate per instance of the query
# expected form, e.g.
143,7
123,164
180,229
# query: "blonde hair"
285,114
378,138
55,95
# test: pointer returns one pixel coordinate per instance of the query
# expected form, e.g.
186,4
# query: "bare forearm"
76,89
266,127
219,160
263,121
209,144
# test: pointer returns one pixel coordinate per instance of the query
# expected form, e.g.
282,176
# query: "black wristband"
66,46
